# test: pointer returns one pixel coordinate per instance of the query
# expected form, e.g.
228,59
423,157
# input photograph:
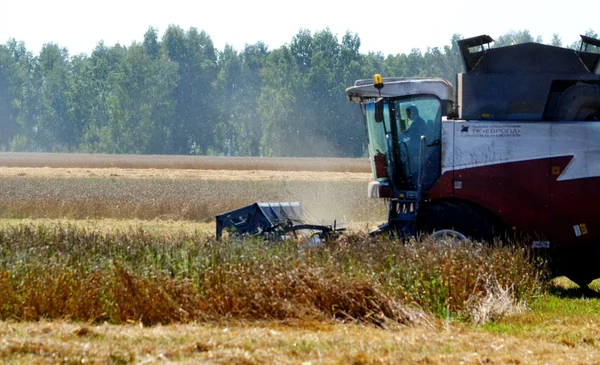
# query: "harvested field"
291,342
81,160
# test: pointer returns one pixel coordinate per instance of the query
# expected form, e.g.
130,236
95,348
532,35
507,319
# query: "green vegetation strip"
64,272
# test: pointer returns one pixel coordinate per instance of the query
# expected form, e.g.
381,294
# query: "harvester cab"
403,119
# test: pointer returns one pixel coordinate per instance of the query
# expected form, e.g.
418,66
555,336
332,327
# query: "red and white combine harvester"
517,150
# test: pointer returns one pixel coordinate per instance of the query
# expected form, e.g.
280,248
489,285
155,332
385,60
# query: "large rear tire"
455,218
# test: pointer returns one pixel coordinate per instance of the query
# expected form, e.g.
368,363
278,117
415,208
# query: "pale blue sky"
387,26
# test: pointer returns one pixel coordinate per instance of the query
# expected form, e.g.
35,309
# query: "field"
181,194
107,264
78,160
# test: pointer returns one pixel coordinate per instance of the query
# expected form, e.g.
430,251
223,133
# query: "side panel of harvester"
540,178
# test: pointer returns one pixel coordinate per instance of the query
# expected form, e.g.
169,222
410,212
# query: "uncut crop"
125,276
188,199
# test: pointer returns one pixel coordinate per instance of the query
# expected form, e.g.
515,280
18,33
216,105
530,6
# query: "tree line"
177,94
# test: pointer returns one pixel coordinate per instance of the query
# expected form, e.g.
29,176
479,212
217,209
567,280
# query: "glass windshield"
394,145
378,143
416,117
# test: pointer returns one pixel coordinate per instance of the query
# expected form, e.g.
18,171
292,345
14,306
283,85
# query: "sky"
390,27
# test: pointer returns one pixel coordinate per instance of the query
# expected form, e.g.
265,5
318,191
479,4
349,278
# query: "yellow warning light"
401,195
485,115
555,170
583,228
378,81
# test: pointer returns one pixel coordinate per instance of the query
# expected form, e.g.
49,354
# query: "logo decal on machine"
476,144
490,130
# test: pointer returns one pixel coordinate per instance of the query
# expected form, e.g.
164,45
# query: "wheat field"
84,187
109,259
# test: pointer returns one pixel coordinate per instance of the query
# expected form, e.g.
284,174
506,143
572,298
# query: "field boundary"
83,160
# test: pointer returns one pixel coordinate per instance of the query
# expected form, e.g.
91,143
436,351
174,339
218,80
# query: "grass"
154,227
123,276
568,315
294,342
85,290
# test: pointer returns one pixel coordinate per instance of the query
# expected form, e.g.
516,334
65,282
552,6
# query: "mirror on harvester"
379,110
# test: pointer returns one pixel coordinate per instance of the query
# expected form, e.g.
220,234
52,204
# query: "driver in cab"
417,126
412,138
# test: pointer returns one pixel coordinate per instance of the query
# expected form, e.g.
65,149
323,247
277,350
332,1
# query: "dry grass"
110,226
81,160
279,343
497,303
71,273
451,278
555,331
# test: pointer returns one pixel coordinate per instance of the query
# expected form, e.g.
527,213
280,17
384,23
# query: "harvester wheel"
458,220
448,233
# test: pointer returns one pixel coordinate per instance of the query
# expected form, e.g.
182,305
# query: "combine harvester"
517,151
515,154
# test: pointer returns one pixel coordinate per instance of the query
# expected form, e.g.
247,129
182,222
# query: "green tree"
196,112
140,104
79,98
151,43
96,89
375,63
281,133
25,98
229,82
301,48
577,45
56,131
556,41
515,37
241,83
11,90
303,102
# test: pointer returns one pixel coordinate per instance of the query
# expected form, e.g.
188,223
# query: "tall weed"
65,272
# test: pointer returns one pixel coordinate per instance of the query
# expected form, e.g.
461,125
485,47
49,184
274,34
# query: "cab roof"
400,86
